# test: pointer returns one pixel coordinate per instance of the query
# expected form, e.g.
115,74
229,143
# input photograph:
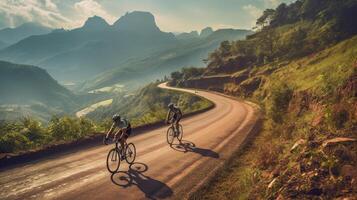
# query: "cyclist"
123,130
174,116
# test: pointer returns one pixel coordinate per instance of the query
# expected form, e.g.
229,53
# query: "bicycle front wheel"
113,160
170,135
130,153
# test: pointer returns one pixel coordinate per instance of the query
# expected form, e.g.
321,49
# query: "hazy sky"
171,15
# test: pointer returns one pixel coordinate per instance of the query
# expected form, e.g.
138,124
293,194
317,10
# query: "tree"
176,75
265,19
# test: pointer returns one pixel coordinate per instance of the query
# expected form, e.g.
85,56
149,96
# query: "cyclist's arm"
167,116
180,113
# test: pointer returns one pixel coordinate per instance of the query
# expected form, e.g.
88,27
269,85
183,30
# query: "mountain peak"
95,23
206,32
137,21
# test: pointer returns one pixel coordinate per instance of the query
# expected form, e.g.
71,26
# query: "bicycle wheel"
180,134
170,135
130,153
113,160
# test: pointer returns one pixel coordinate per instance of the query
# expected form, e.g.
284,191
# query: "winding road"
160,171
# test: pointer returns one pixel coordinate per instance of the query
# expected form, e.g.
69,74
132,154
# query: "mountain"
81,53
3,44
102,52
13,35
206,32
30,89
186,36
95,23
188,52
137,21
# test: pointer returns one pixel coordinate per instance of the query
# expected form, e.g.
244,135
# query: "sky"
170,15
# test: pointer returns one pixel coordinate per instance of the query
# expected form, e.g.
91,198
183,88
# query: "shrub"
280,97
13,141
33,130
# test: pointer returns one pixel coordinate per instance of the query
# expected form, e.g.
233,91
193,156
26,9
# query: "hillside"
14,35
190,52
29,89
301,67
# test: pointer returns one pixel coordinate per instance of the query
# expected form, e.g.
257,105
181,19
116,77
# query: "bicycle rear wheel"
113,160
130,153
180,134
170,135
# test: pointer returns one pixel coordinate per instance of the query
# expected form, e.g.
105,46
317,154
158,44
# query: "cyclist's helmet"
116,117
171,105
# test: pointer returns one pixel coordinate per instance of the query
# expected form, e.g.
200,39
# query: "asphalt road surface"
159,172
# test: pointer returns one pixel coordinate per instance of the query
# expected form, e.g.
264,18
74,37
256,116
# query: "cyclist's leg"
123,139
177,125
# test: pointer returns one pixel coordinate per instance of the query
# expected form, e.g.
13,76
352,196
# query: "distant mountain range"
98,50
137,72
10,36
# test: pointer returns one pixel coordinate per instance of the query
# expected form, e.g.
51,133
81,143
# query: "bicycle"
115,156
171,134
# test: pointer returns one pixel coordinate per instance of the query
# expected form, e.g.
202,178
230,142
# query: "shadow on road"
134,176
187,146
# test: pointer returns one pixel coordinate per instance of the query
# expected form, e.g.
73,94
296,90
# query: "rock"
298,143
317,120
271,184
275,172
280,197
315,191
349,171
338,140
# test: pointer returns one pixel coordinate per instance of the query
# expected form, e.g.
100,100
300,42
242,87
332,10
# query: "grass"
319,75
311,72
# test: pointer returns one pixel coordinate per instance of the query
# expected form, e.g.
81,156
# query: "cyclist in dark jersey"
174,116
121,127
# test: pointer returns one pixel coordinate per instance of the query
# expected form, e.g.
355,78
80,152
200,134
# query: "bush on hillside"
280,97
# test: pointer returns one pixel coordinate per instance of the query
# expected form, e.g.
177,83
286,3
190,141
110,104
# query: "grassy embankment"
307,101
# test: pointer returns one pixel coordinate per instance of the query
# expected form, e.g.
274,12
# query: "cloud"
88,8
252,10
275,3
17,12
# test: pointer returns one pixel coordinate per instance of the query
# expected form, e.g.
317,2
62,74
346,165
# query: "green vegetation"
301,67
147,106
29,134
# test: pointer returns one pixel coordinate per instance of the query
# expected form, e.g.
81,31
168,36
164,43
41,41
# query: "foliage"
279,101
31,134
185,74
287,32
149,105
